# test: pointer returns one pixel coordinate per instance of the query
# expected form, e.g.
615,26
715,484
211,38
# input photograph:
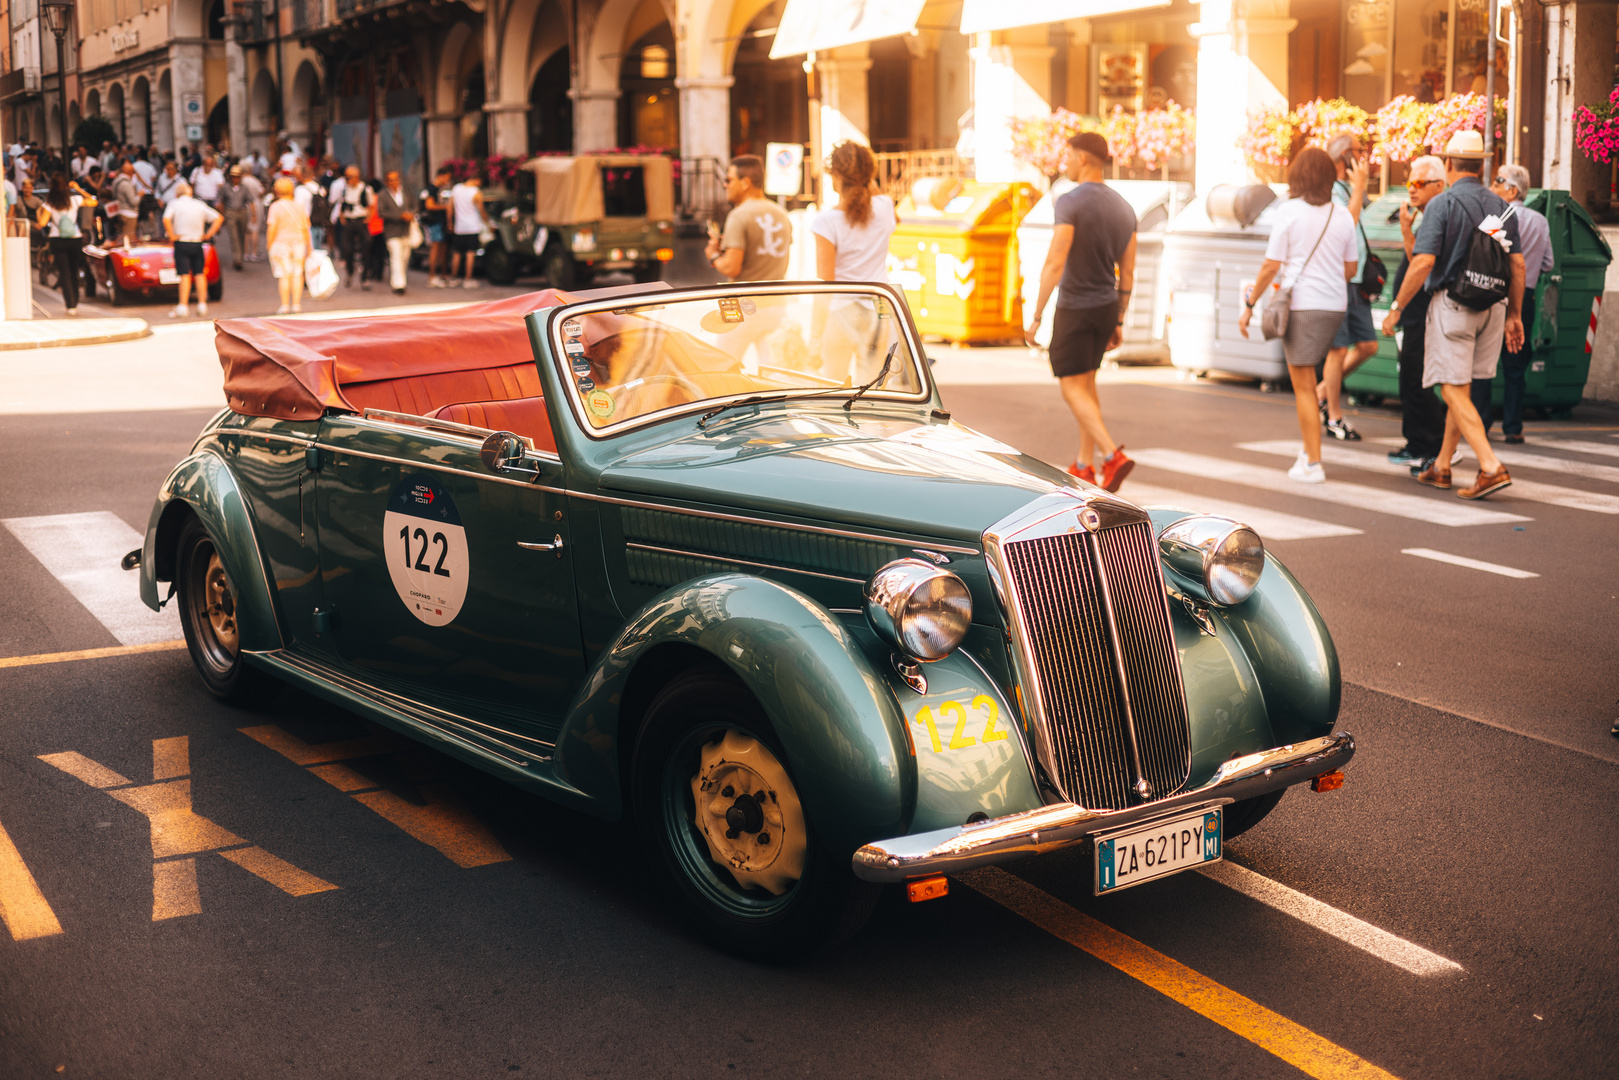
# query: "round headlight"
1225,558
919,609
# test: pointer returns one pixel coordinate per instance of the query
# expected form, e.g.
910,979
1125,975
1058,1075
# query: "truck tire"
499,265
560,269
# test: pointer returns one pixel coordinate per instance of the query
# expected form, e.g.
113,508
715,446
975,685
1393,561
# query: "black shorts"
465,241
189,258
1079,337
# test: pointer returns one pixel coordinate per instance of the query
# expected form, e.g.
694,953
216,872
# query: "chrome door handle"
555,545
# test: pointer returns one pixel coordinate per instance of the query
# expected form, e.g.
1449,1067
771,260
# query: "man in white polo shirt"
190,223
207,180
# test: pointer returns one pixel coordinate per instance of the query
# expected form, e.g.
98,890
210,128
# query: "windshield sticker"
599,403
581,365
747,305
426,549
574,347
573,328
586,384
730,309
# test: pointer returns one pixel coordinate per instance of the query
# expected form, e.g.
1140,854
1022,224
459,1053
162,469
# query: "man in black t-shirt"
435,202
1092,265
1422,420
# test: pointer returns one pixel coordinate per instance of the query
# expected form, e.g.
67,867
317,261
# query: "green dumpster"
1567,301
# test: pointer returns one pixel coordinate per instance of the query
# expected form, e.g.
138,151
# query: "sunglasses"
1418,185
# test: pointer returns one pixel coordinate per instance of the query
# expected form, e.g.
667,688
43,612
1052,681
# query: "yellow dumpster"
955,255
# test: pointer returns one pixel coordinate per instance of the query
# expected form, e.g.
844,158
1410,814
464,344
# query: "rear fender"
203,485
838,720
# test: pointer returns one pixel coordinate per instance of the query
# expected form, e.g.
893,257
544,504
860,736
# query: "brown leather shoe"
1434,476
1486,483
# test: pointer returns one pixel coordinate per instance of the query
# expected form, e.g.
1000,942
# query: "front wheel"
560,269
499,266
1244,815
208,616
718,812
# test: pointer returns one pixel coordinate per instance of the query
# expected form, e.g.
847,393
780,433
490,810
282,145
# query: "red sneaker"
1084,472
1115,469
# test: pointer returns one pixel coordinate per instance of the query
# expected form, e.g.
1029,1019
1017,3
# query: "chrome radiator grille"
1077,592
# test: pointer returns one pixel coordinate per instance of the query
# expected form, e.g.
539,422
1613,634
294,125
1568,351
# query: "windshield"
630,363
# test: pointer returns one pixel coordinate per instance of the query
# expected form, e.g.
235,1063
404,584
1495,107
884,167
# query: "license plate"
168,277
1158,850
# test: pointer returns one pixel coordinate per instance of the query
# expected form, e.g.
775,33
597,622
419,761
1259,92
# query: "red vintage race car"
144,272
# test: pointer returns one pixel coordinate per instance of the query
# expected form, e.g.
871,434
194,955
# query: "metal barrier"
897,172
701,188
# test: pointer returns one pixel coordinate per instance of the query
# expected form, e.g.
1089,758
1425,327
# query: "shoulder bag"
1273,323
1374,274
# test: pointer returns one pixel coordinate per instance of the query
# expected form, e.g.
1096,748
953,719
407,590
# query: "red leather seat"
522,416
419,395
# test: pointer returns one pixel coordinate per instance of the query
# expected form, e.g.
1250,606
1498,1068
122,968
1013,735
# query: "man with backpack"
1467,257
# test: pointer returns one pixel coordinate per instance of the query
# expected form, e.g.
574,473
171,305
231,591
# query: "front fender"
839,723
203,485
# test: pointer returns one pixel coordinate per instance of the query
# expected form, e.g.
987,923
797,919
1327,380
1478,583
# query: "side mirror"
503,452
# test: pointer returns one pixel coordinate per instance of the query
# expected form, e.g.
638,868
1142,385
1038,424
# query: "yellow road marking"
171,757
299,752
174,889
342,777
23,908
1294,1044
176,828
278,872
76,764
89,654
444,823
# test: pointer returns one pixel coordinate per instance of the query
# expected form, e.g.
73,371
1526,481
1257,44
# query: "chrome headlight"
919,609
1220,555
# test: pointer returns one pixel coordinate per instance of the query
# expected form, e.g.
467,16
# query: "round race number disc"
426,549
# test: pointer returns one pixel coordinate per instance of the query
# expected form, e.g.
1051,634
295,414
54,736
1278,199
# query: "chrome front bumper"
949,851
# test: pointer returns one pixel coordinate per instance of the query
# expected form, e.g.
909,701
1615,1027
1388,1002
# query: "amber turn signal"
665,254
928,888
1330,781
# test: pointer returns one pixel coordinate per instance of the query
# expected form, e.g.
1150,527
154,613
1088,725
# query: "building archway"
163,115
115,110
262,120
92,107
140,112
218,130
306,121
648,103
474,124
216,20
770,102
550,110
73,118
54,136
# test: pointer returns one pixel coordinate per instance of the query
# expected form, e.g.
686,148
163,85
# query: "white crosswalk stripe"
1271,524
1523,460
1471,564
1371,461
1577,446
82,552
1419,507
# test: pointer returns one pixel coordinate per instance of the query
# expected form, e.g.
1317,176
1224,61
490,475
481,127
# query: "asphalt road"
1472,834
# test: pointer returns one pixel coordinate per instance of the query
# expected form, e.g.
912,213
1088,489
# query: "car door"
431,591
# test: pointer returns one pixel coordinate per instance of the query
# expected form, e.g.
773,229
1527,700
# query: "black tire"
216,290
825,906
499,265
49,276
116,293
645,272
1244,815
560,269
207,616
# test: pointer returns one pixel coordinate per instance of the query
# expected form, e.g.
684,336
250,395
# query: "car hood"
910,475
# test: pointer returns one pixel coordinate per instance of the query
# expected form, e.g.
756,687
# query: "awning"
979,15
814,25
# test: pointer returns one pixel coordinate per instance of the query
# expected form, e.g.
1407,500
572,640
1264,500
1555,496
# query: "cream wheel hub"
220,605
749,813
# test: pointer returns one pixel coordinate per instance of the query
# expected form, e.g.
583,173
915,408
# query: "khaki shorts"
287,260
1462,344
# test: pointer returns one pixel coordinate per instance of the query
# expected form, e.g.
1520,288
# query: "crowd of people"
282,212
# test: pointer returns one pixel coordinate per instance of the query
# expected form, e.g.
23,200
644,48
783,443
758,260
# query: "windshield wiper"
888,362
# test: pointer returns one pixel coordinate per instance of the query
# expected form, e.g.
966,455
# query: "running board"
482,738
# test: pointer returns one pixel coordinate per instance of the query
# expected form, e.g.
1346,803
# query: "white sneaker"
202,310
282,310
472,283
178,312
1307,472
435,283
1456,458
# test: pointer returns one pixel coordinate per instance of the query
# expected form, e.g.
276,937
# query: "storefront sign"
123,42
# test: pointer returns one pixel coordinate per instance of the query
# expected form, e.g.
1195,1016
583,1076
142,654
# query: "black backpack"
1482,280
320,207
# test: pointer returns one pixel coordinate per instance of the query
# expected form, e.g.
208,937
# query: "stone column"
186,77
705,117
1579,71
1011,78
236,90
443,132
1241,65
845,112
509,127
924,118
595,119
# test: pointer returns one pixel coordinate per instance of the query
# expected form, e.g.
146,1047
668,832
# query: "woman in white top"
1312,243
287,235
59,216
851,244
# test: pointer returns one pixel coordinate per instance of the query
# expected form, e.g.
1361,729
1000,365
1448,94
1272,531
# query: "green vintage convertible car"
719,559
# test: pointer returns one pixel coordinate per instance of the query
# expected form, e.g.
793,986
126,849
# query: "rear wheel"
216,289
560,269
1244,815
209,618
719,813
498,264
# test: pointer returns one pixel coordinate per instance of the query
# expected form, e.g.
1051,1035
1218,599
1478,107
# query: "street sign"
194,132
784,168
191,114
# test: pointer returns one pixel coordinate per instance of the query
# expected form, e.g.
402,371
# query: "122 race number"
426,549
959,719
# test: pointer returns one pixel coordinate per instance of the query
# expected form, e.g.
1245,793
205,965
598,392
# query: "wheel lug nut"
764,837
729,792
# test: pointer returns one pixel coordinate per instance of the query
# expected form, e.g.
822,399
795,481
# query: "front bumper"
1032,832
